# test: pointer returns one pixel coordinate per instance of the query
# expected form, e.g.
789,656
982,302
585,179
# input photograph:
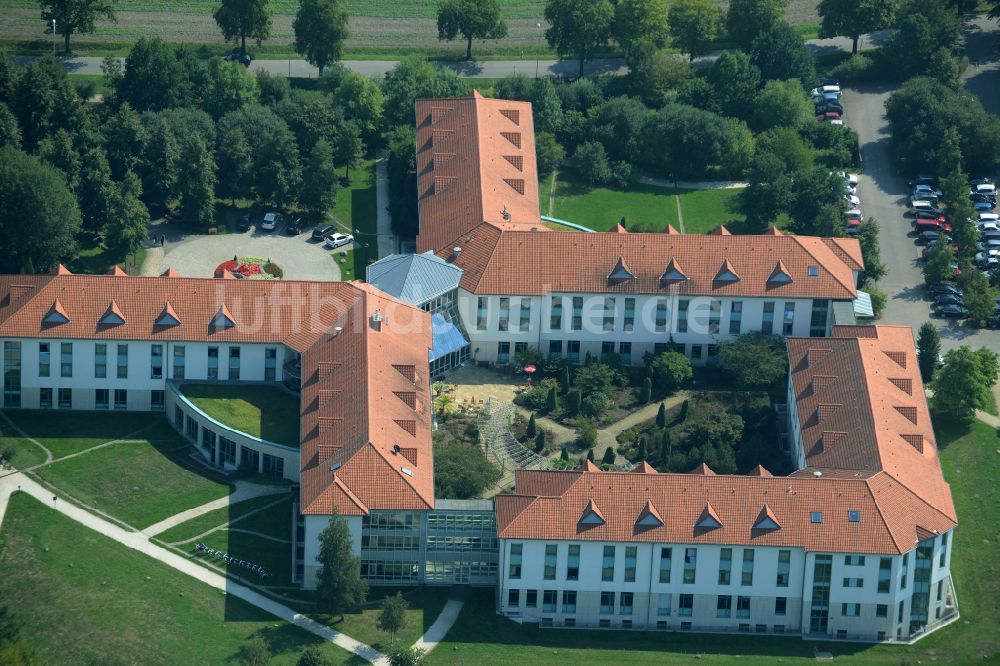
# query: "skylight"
813,271
854,516
816,517
335,466
406,470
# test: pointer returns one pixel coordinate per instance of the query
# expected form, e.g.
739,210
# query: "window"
122,362
179,359
11,373
780,605
519,349
514,598
273,465
725,565
45,398
724,606
767,318
629,321
577,323
899,614
789,318
569,601
121,399
744,627
156,362
608,319
660,322
661,624
854,582
695,352
625,607
65,398
735,317
714,316
156,401
779,628
690,563
548,601
504,313
555,348
682,315
250,460
742,606
101,400
625,352
604,623
270,363
760,628
944,550
816,517
663,605
503,352
555,315
854,560
850,610
608,566
884,574
686,605
551,552
630,561
213,362
525,322
881,610
607,349
482,313
43,359
904,570
573,351
784,564
100,360
940,589
747,573
514,570
234,363
66,359
817,320
531,599
665,561
573,563
607,603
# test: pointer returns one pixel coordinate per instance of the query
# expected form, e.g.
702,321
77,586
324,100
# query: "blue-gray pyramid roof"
414,278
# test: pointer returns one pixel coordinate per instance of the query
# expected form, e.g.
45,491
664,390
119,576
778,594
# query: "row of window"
156,361
222,451
64,398
603,318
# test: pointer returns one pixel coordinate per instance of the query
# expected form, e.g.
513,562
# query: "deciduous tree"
392,615
736,82
928,350
937,268
235,162
782,104
128,226
239,19
963,384
10,131
693,25
196,184
462,471
75,16
670,370
319,180
362,101
339,585
780,53
853,18
160,161
748,18
980,297
754,361
579,27
230,86
548,153
472,19
870,252
320,28
641,21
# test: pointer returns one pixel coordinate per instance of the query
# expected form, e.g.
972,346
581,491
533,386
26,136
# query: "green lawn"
644,207
67,432
425,605
265,412
234,512
84,599
96,260
356,213
26,453
970,464
274,556
140,483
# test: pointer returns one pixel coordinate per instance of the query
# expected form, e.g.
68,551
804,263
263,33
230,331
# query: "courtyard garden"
461,467
265,412
250,268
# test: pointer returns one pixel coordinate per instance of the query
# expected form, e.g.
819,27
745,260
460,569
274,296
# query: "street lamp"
538,51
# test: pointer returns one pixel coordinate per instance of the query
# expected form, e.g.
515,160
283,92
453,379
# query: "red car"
829,115
931,225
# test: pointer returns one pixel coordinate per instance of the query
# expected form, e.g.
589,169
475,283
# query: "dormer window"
223,319
620,273
112,316
766,520
709,519
779,275
813,271
592,515
816,517
673,274
56,314
168,317
727,274
649,517
854,516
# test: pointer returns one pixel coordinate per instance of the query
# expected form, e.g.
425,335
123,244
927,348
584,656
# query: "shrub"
609,457
595,404
856,68
573,402
273,269
879,300
661,416
564,383
531,430
472,432
645,391
533,399
540,441
670,370
586,433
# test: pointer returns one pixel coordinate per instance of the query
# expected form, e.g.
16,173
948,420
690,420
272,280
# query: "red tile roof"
353,340
898,492
529,263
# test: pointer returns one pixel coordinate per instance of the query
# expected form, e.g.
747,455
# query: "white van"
923,205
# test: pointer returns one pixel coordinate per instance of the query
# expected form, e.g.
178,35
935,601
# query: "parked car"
951,311
988,244
923,189
946,288
923,179
243,223
831,89
829,106
242,58
980,181
849,178
993,322
988,226
931,225
271,221
924,205
925,237
949,299
828,115
929,215
853,214
294,226
988,264
335,240
320,233
989,189
853,200
836,121
984,206
988,217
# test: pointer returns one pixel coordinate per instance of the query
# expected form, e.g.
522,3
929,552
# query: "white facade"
769,589
569,325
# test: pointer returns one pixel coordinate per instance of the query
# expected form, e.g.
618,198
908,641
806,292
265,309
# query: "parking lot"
883,195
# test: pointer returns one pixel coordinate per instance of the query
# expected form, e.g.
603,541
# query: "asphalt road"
883,195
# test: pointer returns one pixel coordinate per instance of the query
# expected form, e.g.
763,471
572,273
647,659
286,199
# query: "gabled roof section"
223,319
709,519
112,316
649,517
773,231
620,273
57,313
670,230
780,274
672,274
644,468
766,520
759,470
168,316
726,273
720,231
117,271
619,228
703,469
170,272
591,515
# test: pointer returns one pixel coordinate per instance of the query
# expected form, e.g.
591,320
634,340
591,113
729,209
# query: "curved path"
15,481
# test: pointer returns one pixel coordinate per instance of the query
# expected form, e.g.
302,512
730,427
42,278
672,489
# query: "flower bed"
250,268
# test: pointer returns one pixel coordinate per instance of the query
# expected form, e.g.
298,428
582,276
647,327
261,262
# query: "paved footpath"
244,491
14,481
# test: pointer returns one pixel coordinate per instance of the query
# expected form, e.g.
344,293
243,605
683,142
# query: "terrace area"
265,412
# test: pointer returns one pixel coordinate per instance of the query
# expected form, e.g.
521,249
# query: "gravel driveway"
298,257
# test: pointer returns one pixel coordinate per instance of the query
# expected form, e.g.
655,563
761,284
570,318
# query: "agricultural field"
378,27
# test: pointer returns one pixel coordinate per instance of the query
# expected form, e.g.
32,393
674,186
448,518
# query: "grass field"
264,412
356,209
425,606
234,512
140,483
68,432
644,207
26,453
84,599
971,466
